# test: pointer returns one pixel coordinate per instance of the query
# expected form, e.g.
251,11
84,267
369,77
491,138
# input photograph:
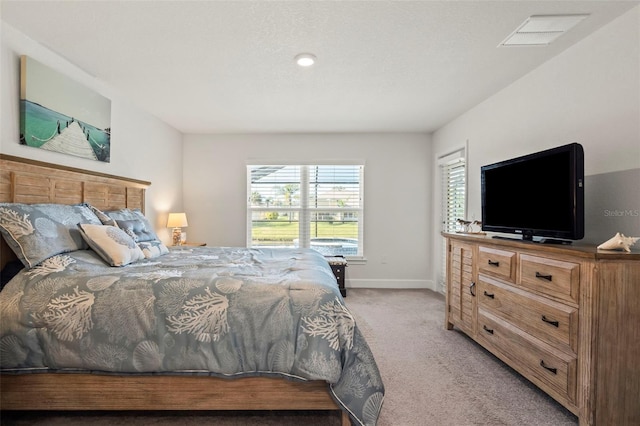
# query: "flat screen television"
536,195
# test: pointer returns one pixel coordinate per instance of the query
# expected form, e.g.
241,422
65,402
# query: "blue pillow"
136,230
144,232
153,249
35,232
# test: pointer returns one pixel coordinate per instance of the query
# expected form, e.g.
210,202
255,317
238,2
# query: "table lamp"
177,221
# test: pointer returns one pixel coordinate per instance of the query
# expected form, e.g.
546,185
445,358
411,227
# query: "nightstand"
338,265
190,244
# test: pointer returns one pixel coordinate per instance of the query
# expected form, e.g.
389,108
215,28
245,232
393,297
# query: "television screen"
540,194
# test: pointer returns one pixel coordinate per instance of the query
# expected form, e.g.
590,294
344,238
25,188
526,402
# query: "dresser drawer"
552,322
552,277
499,263
553,370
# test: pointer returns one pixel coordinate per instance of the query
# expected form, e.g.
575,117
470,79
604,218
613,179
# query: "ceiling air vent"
540,30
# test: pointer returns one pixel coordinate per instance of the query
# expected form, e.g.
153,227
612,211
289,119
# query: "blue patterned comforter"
221,311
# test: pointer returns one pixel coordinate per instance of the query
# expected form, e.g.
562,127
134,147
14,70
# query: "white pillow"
111,243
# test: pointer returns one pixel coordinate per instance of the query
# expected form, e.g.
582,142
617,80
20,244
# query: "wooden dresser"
565,317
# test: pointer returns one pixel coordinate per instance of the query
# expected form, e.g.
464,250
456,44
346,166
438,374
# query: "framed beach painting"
61,115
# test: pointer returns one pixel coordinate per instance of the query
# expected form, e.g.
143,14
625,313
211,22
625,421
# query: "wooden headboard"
30,182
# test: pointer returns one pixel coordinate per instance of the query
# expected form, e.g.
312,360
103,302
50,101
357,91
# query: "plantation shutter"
317,206
454,202
454,194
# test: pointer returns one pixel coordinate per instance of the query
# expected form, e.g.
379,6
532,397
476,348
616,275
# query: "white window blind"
454,194
317,206
454,201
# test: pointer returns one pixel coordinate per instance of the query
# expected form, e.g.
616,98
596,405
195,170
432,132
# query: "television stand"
561,317
553,241
530,240
500,237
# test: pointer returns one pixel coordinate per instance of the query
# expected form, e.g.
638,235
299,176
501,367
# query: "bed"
206,328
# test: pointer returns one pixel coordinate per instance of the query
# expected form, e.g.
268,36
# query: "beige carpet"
432,377
437,377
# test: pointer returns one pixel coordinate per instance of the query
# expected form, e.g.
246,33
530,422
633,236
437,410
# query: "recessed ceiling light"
542,29
305,59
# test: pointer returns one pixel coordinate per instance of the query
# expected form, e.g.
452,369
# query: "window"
453,192
316,206
453,179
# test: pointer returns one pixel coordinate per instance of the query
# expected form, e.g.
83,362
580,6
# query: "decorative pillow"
153,248
106,220
36,232
136,230
111,243
146,234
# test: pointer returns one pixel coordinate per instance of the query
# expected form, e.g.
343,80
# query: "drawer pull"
471,288
492,263
553,370
544,277
490,295
548,321
488,330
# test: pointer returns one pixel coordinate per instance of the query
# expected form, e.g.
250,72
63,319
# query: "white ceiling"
227,66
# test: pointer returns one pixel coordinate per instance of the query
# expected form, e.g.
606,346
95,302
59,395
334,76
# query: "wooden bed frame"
27,181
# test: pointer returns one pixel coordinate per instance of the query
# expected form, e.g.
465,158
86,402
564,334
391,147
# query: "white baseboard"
390,283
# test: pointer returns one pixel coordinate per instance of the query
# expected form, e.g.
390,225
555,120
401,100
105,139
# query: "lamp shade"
177,220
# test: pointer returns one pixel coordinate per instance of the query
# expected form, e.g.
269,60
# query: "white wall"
396,191
143,147
589,94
